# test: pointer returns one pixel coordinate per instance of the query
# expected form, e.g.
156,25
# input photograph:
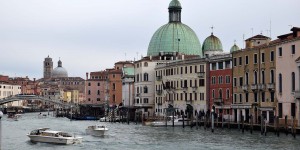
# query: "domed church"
59,71
212,45
174,36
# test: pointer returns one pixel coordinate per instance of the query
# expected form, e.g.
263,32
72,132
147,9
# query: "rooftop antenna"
267,32
270,28
243,40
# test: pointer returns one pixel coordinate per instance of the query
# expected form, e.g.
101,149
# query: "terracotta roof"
298,59
259,36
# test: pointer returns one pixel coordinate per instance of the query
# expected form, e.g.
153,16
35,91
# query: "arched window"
220,93
89,84
272,76
98,92
146,64
114,86
89,92
255,77
145,76
247,78
263,77
98,84
293,81
227,94
145,89
280,82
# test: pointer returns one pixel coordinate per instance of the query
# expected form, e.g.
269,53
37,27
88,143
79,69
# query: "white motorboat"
169,122
17,116
56,137
96,130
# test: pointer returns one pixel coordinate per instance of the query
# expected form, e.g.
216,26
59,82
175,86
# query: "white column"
238,115
268,116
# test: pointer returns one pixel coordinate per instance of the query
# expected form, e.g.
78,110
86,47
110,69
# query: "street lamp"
1,115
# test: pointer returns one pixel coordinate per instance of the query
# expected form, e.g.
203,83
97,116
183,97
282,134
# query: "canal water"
127,137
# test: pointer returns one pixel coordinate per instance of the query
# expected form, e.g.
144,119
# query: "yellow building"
71,96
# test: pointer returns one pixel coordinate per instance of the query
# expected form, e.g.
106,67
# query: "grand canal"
123,136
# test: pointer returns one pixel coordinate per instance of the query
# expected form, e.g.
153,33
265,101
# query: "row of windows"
182,84
220,80
98,99
256,97
139,101
221,65
293,82
139,76
180,70
8,87
255,78
186,96
220,94
293,50
139,89
140,65
6,93
72,83
239,60
89,92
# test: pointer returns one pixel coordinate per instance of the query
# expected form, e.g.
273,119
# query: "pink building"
95,88
287,76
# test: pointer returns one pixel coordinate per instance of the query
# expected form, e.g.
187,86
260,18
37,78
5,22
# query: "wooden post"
294,127
265,121
173,118
277,120
196,120
212,121
286,126
251,124
261,124
183,121
243,124
204,122
128,115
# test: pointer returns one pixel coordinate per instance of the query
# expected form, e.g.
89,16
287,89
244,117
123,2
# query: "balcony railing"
297,94
158,78
159,104
245,87
184,88
254,87
158,92
217,100
194,88
271,86
201,74
261,87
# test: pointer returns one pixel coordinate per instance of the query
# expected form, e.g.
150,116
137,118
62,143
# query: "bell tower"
48,67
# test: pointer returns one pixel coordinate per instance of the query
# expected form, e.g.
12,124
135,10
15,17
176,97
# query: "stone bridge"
35,97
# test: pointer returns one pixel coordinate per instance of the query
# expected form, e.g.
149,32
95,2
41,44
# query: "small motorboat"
17,116
56,137
96,130
169,122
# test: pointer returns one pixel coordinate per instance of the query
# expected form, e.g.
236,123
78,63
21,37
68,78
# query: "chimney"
87,75
33,79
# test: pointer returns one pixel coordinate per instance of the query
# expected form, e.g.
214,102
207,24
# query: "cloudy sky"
90,35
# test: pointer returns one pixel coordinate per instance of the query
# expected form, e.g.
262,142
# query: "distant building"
8,90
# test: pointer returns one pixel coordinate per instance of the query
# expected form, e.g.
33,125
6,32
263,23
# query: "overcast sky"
91,35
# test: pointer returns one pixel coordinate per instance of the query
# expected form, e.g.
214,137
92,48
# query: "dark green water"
123,136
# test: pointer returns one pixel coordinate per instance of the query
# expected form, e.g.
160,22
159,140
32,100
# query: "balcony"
138,94
158,92
271,86
245,87
200,74
188,101
159,104
217,100
254,87
261,87
297,94
184,88
194,88
158,78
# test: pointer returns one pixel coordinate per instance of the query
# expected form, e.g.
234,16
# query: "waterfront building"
128,86
95,88
8,90
287,76
220,84
181,84
254,80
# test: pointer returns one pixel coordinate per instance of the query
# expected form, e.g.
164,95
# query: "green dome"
174,3
165,39
234,48
212,43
